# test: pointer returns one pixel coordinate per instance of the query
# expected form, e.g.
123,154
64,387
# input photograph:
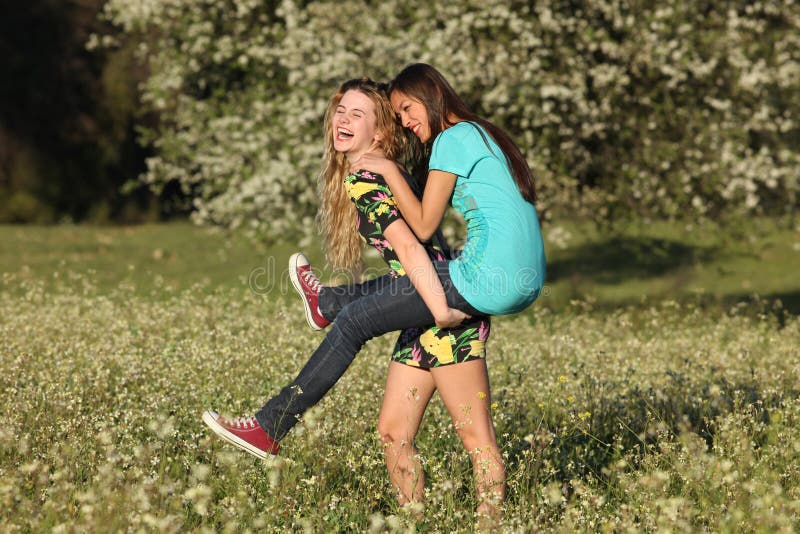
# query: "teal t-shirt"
502,267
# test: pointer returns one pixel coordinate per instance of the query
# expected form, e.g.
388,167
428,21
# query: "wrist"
441,312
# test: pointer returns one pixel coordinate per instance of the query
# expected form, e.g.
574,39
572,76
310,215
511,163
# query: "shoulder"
460,134
458,149
364,185
465,129
364,181
366,176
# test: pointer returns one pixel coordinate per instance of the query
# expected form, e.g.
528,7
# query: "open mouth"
343,134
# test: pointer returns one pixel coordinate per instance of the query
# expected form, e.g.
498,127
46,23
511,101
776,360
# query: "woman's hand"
374,162
451,318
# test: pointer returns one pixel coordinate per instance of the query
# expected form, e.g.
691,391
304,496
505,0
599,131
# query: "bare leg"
408,391
464,388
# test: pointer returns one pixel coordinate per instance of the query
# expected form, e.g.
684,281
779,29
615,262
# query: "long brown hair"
424,83
337,217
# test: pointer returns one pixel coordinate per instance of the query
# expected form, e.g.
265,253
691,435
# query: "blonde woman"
356,208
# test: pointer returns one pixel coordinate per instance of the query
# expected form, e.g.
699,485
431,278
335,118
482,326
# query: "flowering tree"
622,108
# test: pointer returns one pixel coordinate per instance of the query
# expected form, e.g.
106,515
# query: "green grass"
175,256
644,405
635,263
675,261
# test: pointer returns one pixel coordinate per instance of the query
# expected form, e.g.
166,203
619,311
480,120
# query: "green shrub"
23,207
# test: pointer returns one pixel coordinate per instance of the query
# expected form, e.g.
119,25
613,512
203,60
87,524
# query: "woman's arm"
420,270
425,216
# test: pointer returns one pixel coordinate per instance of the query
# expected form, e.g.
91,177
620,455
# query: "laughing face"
412,114
353,124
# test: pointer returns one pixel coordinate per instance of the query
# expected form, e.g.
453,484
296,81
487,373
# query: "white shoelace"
311,280
243,422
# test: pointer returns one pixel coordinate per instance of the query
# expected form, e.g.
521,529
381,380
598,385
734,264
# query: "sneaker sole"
299,288
210,419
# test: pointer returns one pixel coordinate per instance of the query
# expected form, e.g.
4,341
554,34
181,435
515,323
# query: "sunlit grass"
714,263
633,263
658,416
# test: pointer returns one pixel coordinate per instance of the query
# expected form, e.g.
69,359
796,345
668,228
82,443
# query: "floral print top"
419,347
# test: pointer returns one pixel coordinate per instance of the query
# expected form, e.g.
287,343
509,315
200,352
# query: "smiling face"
412,114
354,125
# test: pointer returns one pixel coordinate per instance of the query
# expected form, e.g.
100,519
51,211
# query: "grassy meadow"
652,388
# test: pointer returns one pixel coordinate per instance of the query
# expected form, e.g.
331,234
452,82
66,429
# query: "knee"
351,324
395,435
345,331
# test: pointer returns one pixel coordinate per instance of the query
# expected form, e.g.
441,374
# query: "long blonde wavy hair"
337,217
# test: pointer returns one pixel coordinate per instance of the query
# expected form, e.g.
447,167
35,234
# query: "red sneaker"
244,432
308,286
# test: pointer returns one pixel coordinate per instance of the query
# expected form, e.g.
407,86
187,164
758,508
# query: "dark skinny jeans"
359,312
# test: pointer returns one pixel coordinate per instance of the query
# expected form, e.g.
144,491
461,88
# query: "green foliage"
23,207
20,201
677,109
